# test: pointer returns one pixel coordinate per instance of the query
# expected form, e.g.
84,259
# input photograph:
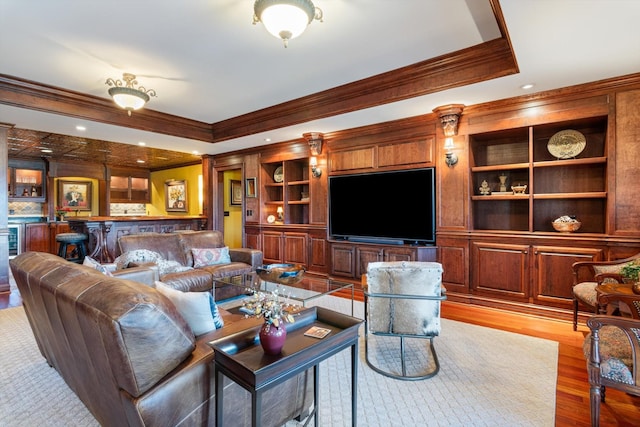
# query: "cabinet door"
343,260
272,247
36,237
365,255
553,276
500,270
295,248
318,254
399,254
454,257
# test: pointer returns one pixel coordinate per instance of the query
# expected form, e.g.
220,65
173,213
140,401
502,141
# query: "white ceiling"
208,63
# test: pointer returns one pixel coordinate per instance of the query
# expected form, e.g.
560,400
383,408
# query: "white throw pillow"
137,256
90,262
198,308
210,256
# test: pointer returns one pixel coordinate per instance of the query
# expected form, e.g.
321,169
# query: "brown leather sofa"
178,246
130,356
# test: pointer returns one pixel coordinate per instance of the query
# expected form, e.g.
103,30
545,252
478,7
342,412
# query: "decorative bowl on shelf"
284,274
566,226
519,189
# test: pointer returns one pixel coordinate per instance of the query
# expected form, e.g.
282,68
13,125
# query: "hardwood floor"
572,391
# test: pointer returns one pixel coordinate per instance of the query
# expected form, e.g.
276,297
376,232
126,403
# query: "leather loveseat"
128,354
179,246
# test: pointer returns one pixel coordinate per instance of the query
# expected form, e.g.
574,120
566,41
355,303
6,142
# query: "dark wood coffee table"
241,358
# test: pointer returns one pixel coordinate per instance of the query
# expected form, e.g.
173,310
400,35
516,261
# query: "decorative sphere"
284,274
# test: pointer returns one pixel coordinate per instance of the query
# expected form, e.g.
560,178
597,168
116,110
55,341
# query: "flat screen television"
386,207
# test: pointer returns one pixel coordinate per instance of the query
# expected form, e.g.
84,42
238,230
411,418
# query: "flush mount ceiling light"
285,19
126,95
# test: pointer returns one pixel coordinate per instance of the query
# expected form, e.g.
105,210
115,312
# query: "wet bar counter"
104,231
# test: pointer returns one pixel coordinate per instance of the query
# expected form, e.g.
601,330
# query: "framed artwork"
75,195
236,192
175,196
250,185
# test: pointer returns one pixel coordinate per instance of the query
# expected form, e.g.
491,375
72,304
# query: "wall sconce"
315,142
450,157
449,118
315,170
280,213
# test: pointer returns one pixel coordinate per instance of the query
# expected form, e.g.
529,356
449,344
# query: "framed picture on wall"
250,184
236,192
175,196
75,195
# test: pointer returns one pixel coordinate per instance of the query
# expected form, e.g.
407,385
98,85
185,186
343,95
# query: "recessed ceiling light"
142,143
195,152
527,86
140,161
81,128
46,150
267,140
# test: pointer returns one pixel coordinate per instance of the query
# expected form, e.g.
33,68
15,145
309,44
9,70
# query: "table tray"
242,354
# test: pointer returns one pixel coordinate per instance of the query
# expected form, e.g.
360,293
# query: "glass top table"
307,290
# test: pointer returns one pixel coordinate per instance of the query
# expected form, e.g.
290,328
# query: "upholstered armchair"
612,350
584,282
402,302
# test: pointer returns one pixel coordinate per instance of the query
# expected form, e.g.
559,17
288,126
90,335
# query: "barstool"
76,239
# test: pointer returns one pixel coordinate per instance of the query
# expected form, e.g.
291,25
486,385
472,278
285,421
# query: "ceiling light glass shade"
129,99
285,19
126,95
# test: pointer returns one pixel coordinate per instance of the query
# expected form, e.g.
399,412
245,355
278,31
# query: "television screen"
386,207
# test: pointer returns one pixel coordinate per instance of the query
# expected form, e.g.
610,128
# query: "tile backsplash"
128,209
26,208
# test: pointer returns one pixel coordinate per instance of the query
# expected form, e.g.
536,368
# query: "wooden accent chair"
402,300
612,351
584,282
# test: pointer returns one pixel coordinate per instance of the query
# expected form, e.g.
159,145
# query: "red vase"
272,339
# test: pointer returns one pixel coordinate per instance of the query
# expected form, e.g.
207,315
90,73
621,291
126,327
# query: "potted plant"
275,312
61,212
630,271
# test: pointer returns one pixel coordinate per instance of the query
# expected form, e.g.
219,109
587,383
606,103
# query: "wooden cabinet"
129,186
398,154
574,184
26,180
352,259
527,272
37,237
306,247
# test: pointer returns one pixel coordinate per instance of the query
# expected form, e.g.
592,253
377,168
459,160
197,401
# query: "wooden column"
4,208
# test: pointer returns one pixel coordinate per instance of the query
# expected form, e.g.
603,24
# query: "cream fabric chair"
402,302
584,282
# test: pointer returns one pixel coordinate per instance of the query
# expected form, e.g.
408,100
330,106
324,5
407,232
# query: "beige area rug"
487,378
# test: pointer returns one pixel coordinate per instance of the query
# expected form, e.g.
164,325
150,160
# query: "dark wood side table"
606,290
241,358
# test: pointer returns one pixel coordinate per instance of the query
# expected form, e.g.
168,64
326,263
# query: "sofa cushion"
195,280
198,308
210,256
166,244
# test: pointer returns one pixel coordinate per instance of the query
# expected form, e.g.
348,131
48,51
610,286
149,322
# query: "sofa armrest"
145,275
253,257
